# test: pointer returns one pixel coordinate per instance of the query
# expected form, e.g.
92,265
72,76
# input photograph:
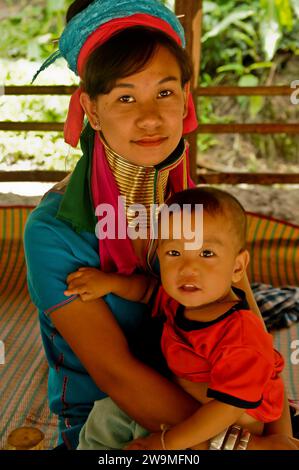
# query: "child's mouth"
189,288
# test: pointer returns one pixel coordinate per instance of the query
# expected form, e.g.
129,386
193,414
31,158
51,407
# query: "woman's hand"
151,442
89,284
273,442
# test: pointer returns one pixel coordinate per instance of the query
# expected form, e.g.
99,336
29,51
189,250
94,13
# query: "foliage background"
244,43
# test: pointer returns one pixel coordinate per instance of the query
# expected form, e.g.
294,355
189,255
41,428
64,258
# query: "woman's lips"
150,142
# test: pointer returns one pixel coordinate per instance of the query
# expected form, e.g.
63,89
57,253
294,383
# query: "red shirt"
233,354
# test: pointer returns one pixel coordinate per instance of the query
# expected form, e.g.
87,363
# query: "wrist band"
217,441
232,437
164,428
244,439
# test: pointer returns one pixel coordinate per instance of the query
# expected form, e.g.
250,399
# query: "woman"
135,92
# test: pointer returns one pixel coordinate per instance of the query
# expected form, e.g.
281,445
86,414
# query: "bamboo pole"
245,91
46,176
192,23
38,90
31,126
249,178
255,128
199,91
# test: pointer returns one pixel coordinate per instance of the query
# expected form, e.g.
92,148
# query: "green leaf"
209,7
247,27
260,65
248,80
229,20
54,6
33,51
256,103
231,68
242,37
284,13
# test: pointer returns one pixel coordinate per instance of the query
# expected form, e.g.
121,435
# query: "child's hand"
151,442
89,283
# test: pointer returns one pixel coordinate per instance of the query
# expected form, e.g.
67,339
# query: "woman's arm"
245,286
283,424
208,421
97,340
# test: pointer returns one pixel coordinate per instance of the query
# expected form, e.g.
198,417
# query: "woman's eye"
165,93
207,254
173,253
126,99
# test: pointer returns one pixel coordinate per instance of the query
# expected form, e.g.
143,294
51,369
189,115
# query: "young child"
216,348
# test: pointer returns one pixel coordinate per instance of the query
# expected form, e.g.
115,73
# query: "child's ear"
240,267
89,107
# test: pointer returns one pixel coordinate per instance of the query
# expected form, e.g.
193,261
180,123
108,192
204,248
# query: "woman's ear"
89,107
186,99
240,267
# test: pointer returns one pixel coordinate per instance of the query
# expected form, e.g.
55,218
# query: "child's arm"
208,421
92,283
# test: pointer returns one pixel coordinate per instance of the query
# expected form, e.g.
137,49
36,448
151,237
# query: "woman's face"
142,116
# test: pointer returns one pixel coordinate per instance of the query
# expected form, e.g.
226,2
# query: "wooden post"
192,23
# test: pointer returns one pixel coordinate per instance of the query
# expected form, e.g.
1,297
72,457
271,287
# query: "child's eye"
207,254
173,253
126,99
165,93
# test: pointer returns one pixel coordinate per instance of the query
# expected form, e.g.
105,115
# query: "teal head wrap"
98,13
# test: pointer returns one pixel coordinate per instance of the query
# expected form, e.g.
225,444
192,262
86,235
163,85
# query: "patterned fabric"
279,306
23,377
274,251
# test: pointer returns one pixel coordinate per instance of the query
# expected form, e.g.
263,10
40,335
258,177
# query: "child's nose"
189,268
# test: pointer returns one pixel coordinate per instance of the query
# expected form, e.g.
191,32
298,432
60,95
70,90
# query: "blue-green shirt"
53,250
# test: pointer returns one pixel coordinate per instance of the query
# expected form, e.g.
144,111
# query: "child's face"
199,277
142,117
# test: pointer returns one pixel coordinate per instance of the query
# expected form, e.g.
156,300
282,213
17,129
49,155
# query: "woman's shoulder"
50,202
45,212
43,226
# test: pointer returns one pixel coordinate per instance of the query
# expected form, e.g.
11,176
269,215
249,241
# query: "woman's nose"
149,116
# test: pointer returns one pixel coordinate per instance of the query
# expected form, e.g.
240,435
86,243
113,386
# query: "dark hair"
215,201
76,7
126,53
